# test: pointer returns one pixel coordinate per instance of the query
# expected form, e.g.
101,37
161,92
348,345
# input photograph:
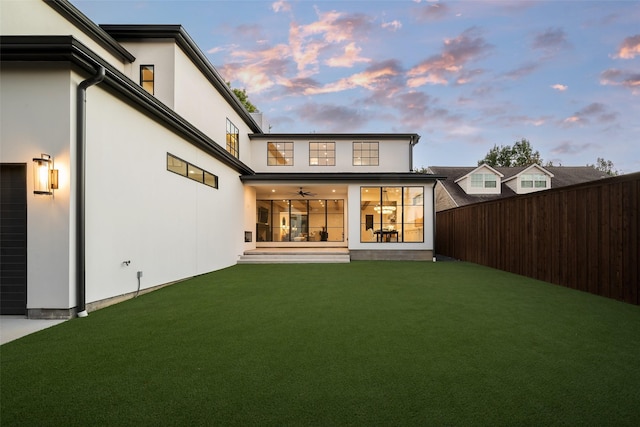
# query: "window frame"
319,157
362,150
191,172
533,180
400,223
481,181
274,160
143,68
233,139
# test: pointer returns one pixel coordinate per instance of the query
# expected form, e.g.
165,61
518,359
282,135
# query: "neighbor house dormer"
482,180
531,179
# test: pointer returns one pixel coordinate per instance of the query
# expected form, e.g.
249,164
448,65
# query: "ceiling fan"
303,193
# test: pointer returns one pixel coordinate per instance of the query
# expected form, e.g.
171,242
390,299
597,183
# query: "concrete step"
294,258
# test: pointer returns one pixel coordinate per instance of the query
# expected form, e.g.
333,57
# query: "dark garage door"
13,239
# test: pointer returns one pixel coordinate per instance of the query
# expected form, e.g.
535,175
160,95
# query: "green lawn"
365,343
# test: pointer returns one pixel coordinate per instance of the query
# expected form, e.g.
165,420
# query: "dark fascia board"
193,52
355,136
69,49
70,12
409,177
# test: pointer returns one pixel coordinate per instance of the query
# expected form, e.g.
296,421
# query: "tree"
605,166
242,96
520,154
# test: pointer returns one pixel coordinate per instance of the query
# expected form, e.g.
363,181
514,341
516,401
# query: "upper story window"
233,139
147,80
322,153
365,154
484,180
280,154
533,181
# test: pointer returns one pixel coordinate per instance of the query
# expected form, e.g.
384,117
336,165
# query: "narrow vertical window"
233,139
147,80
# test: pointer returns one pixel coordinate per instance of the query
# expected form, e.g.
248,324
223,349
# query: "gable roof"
562,176
482,166
528,169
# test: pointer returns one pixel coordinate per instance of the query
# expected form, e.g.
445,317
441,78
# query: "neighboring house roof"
482,166
561,177
528,169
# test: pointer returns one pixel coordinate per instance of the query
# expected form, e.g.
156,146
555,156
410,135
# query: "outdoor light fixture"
45,177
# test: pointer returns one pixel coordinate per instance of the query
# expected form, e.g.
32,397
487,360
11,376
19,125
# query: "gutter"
81,158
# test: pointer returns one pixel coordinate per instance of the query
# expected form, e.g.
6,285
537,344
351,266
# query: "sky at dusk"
465,75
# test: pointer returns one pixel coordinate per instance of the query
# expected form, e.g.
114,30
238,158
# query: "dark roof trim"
412,137
341,177
189,47
67,48
69,11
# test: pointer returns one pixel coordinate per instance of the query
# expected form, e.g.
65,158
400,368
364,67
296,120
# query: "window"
483,180
365,154
186,169
233,139
533,180
147,80
309,220
322,153
392,214
280,154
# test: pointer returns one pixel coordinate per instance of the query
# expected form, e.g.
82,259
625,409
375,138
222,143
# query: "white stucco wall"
29,127
393,156
197,100
168,226
160,54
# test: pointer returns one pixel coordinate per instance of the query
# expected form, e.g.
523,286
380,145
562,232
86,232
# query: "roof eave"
193,52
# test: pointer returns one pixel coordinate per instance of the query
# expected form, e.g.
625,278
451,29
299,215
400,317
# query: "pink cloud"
258,70
456,53
371,79
627,79
559,87
629,48
332,28
281,5
349,58
595,111
394,25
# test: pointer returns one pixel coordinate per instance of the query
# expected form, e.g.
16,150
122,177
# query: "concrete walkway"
14,327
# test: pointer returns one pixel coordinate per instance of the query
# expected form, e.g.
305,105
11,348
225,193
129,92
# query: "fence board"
584,236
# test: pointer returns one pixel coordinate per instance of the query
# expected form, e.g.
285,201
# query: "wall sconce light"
45,177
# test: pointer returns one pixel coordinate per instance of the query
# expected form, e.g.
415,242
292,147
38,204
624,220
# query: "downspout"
80,186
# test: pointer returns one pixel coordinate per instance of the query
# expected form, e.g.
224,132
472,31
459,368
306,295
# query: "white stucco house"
128,164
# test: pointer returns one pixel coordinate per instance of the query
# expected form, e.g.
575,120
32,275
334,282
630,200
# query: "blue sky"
465,75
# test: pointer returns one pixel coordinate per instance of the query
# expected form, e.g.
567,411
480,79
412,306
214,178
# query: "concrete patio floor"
14,327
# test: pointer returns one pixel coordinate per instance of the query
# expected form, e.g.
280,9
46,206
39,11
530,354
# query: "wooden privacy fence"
583,237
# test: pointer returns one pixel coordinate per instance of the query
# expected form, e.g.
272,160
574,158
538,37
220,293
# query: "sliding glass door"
309,220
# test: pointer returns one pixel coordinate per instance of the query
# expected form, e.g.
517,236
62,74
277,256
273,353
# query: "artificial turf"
365,343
